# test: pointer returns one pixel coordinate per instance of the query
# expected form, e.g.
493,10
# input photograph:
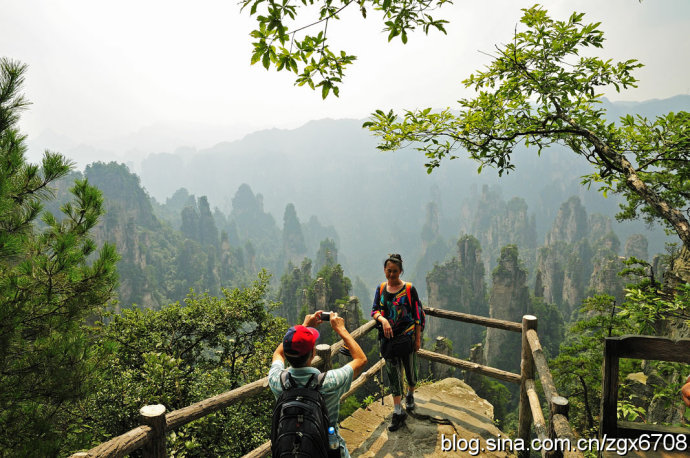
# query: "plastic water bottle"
333,439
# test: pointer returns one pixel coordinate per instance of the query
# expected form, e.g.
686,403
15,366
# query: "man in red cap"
299,348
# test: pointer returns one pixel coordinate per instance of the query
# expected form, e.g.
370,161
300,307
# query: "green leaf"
256,57
252,11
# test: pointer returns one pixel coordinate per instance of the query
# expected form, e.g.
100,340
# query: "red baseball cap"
299,340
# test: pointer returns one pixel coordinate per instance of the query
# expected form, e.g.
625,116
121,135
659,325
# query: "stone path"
449,401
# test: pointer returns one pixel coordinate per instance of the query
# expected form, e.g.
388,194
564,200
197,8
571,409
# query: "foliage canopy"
182,354
277,43
539,91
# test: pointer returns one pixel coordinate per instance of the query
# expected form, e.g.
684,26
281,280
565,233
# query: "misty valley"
312,213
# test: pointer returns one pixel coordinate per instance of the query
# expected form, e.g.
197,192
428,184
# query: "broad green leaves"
539,91
182,354
282,43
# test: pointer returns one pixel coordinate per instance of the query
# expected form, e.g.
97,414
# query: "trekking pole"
381,381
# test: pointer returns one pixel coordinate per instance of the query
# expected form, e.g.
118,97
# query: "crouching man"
299,349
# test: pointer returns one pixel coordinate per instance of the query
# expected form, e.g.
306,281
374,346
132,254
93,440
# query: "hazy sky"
100,70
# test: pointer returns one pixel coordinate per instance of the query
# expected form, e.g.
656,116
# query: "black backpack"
300,419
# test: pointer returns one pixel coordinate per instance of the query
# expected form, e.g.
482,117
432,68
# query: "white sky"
102,70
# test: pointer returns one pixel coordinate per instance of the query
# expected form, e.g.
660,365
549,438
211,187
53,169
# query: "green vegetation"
75,367
539,91
68,380
309,56
52,280
182,354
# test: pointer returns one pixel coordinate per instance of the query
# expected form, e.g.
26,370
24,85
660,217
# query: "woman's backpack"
408,288
300,419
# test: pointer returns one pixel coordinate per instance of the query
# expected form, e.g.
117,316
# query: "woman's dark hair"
395,259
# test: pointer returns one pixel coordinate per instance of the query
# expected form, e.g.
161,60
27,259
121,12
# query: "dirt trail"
450,401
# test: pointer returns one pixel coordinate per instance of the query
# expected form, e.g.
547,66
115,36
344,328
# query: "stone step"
469,428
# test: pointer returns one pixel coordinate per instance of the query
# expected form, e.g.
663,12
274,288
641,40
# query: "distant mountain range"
376,201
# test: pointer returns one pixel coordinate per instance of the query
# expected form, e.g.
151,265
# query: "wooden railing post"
558,406
154,416
324,351
526,373
609,393
151,437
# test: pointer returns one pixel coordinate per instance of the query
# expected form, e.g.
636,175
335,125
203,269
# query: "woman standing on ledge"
398,311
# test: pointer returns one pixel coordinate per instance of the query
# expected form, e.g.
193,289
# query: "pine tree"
51,280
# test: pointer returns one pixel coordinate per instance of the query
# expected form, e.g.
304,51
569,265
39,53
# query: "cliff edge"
449,420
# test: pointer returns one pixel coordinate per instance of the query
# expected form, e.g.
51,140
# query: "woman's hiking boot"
398,421
409,401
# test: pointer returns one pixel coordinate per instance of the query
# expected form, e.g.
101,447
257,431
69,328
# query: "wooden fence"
151,435
637,347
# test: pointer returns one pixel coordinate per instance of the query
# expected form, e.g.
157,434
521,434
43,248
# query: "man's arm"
359,359
279,354
685,392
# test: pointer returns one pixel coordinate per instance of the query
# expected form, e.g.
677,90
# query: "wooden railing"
637,347
151,436
529,409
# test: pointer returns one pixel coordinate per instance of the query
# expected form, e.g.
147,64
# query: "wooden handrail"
122,445
261,451
361,380
356,334
559,426
475,319
181,417
644,347
469,366
535,407
142,435
542,366
525,417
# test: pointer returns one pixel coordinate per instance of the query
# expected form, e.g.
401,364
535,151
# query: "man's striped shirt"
335,384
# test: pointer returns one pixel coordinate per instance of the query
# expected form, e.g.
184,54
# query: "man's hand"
685,393
313,320
337,323
359,359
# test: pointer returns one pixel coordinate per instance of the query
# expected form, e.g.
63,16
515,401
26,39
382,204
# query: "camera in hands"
326,316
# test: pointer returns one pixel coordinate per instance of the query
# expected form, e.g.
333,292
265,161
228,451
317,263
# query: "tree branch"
634,183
